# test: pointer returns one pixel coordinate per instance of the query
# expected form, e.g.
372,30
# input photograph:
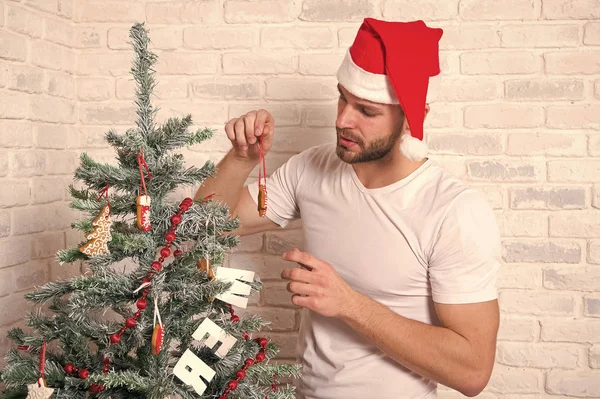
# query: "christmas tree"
167,326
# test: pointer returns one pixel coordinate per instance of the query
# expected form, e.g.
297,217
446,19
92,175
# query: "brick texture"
517,114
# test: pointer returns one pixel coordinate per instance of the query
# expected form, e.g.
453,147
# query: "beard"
370,152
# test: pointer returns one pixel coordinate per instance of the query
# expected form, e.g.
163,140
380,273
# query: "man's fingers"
304,301
298,275
302,289
229,129
263,120
303,258
249,121
240,133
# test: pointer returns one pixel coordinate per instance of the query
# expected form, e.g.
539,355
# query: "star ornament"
39,390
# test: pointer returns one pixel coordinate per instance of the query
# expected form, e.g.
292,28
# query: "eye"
366,113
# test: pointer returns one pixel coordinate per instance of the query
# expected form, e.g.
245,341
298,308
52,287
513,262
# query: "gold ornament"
100,236
204,266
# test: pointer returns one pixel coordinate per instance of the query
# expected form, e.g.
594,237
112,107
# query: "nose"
345,118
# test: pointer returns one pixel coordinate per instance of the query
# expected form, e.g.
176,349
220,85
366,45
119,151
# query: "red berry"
156,266
232,385
146,280
235,318
184,207
241,374
83,374
115,338
130,322
165,252
170,236
246,335
249,362
69,368
262,342
106,361
178,252
260,357
96,388
175,219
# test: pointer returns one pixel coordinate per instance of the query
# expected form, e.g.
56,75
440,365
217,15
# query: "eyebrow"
366,106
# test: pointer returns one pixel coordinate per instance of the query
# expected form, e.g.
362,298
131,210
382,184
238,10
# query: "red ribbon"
43,360
262,160
103,192
143,165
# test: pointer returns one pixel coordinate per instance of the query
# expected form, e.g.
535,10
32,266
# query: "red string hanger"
143,165
42,363
262,185
104,193
39,388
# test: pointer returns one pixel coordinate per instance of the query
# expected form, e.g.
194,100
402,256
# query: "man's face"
366,131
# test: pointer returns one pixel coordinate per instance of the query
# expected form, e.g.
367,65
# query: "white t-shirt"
425,238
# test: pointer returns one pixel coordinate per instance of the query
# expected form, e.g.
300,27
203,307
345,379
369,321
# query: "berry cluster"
260,357
155,268
84,373
141,304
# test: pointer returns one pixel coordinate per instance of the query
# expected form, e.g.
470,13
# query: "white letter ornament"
215,335
232,296
190,369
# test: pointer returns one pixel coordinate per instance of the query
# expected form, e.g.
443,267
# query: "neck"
385,171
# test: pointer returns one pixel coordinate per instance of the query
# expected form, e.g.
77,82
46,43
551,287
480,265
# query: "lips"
347,143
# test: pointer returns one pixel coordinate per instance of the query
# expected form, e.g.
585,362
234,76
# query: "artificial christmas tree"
167,326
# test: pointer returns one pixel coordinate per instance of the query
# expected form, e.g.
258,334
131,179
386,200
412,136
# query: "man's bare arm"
227,184
459,354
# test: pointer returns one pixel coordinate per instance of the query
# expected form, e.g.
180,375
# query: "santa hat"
392,63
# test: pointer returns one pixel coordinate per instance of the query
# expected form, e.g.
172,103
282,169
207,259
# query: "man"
397,283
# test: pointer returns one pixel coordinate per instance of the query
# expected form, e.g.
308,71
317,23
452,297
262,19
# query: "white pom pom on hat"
413,148
392,63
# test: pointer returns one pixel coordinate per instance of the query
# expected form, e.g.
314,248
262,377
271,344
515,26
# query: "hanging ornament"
204,267
204,264
143,200
100,236
143,212
262,186
38,390
159,328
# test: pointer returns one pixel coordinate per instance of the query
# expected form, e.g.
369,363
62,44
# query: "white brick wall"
38,149
517,114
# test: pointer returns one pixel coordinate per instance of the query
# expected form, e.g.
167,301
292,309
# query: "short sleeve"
466,255
282,185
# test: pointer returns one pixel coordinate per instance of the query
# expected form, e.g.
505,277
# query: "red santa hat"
392,63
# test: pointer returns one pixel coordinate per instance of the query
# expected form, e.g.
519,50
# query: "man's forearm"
433,352
228,181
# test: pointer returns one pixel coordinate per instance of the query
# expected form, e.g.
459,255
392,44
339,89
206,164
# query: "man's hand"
319,288
245,132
